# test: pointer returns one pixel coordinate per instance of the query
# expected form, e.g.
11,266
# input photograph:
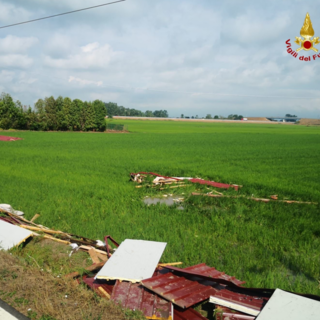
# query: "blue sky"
193,56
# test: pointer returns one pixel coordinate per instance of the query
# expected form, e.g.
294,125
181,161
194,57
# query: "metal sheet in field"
135,297
133,261
11,235
179,290
238,301
285,305
187,314
203,270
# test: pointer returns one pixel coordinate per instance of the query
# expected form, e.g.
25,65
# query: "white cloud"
14,44
10,14
85,82
91,55
15,61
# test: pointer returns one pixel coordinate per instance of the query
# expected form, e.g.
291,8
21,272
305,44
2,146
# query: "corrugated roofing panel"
204,270
95,284
135,297
179,290
188,314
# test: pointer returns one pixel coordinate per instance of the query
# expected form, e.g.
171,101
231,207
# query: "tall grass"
79,182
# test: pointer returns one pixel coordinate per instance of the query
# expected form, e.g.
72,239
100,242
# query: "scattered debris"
7,138
164,180
8,208
133,277
169,201
250,198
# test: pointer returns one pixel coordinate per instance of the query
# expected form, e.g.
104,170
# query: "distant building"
284,119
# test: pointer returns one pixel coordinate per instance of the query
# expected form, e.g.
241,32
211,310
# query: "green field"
79,182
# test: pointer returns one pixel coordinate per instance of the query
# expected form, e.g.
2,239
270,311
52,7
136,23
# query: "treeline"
114,110
230,117
53,114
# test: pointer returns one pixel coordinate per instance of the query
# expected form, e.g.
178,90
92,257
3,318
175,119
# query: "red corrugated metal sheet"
203,270
6,138
215,184
135,297
241,299
188,314
95,284
179,290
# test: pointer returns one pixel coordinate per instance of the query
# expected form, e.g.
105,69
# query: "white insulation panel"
11,235
134,260
284,305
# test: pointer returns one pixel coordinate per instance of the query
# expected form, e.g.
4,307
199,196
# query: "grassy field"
79,182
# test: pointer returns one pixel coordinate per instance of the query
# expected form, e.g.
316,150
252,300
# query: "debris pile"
131,275
6,138
161,181
164,180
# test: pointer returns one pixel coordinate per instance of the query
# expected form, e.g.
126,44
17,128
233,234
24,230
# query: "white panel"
11,235
133,261
283,305
234,305
4,315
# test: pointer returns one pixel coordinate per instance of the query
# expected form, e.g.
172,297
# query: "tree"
50,108
41,114
11,113
76,109
32,122
149,113
65,115
182,115
291,115
208,116
90,116
216,117
100,114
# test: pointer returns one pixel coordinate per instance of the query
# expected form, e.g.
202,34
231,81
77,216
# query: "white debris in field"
74,247
8,208
100,243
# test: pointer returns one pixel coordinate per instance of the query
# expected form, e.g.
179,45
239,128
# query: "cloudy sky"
186,56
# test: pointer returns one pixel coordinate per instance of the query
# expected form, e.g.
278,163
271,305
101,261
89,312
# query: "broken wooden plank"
93,255
92,268
104,293
249,198
36,216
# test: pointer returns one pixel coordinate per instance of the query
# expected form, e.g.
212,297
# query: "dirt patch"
7,138
257,119
33,287
116,131
310,122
